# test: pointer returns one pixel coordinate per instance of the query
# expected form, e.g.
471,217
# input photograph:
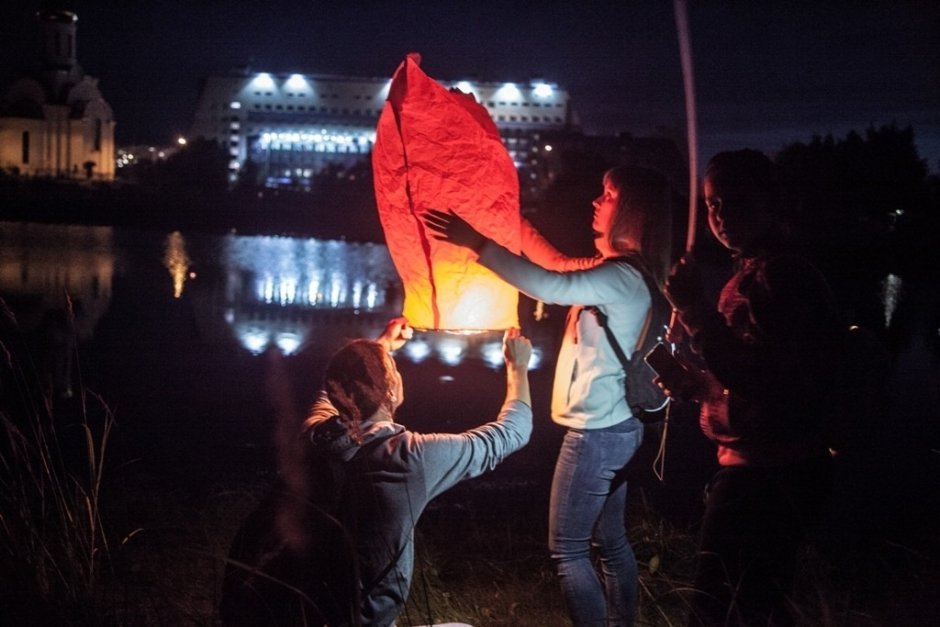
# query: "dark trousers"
755,522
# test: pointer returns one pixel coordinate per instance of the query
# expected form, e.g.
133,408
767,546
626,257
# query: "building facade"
55,121
286,129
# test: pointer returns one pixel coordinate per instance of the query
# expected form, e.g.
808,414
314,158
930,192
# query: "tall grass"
52,540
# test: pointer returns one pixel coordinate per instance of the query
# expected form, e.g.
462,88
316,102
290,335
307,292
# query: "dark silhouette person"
769,350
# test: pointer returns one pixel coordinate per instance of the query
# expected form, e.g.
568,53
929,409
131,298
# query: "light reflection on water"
176,261
283,292
294,272
275,286
260,291
46,269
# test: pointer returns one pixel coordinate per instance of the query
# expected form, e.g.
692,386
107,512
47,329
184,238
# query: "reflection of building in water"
278,288
288,292
58,280
453,348
176,261
42,264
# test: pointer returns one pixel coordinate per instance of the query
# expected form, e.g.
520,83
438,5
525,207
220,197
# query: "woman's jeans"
589,495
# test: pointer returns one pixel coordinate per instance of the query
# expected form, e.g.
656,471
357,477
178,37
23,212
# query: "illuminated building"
55,122
288,128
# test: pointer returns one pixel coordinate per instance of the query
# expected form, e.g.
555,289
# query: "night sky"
766,73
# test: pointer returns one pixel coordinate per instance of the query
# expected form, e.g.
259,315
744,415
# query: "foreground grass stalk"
51,533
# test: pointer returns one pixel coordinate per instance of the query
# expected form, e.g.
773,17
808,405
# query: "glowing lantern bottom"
463,299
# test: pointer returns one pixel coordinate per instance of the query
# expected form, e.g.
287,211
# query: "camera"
673,375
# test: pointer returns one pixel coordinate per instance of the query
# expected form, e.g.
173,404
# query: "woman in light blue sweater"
632,227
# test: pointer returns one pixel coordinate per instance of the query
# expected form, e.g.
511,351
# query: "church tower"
55,122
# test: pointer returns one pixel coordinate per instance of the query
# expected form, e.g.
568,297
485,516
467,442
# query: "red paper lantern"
439,149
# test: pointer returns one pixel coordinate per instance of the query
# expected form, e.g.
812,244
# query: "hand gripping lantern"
440,149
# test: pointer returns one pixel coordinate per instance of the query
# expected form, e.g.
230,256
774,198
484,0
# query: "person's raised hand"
447,226
683,287
396,333
517,349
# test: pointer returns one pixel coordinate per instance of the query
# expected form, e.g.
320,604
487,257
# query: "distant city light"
492,355
288,342
296,81
176,261
181,140
542,90
465,87
548,147
890,294
509,91
263,81
536,359
451,351
417,350
254,340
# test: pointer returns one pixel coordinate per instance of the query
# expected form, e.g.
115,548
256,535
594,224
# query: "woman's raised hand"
396,333
517,349
447,226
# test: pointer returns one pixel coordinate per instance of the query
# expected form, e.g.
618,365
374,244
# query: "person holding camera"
769,350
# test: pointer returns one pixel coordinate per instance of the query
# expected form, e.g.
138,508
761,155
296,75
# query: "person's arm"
450,458
602,284
541,252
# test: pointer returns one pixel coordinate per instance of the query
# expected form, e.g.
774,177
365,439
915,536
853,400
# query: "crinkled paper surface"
440,149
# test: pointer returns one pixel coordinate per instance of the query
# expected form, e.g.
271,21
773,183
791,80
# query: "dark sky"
767,72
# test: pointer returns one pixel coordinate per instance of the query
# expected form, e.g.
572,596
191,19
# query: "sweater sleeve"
451,458
541,252
600,285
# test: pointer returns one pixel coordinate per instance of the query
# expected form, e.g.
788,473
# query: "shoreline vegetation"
348,213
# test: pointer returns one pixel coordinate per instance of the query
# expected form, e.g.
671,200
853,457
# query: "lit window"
235,105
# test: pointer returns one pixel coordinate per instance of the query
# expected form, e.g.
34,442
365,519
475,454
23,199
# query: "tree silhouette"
858,203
